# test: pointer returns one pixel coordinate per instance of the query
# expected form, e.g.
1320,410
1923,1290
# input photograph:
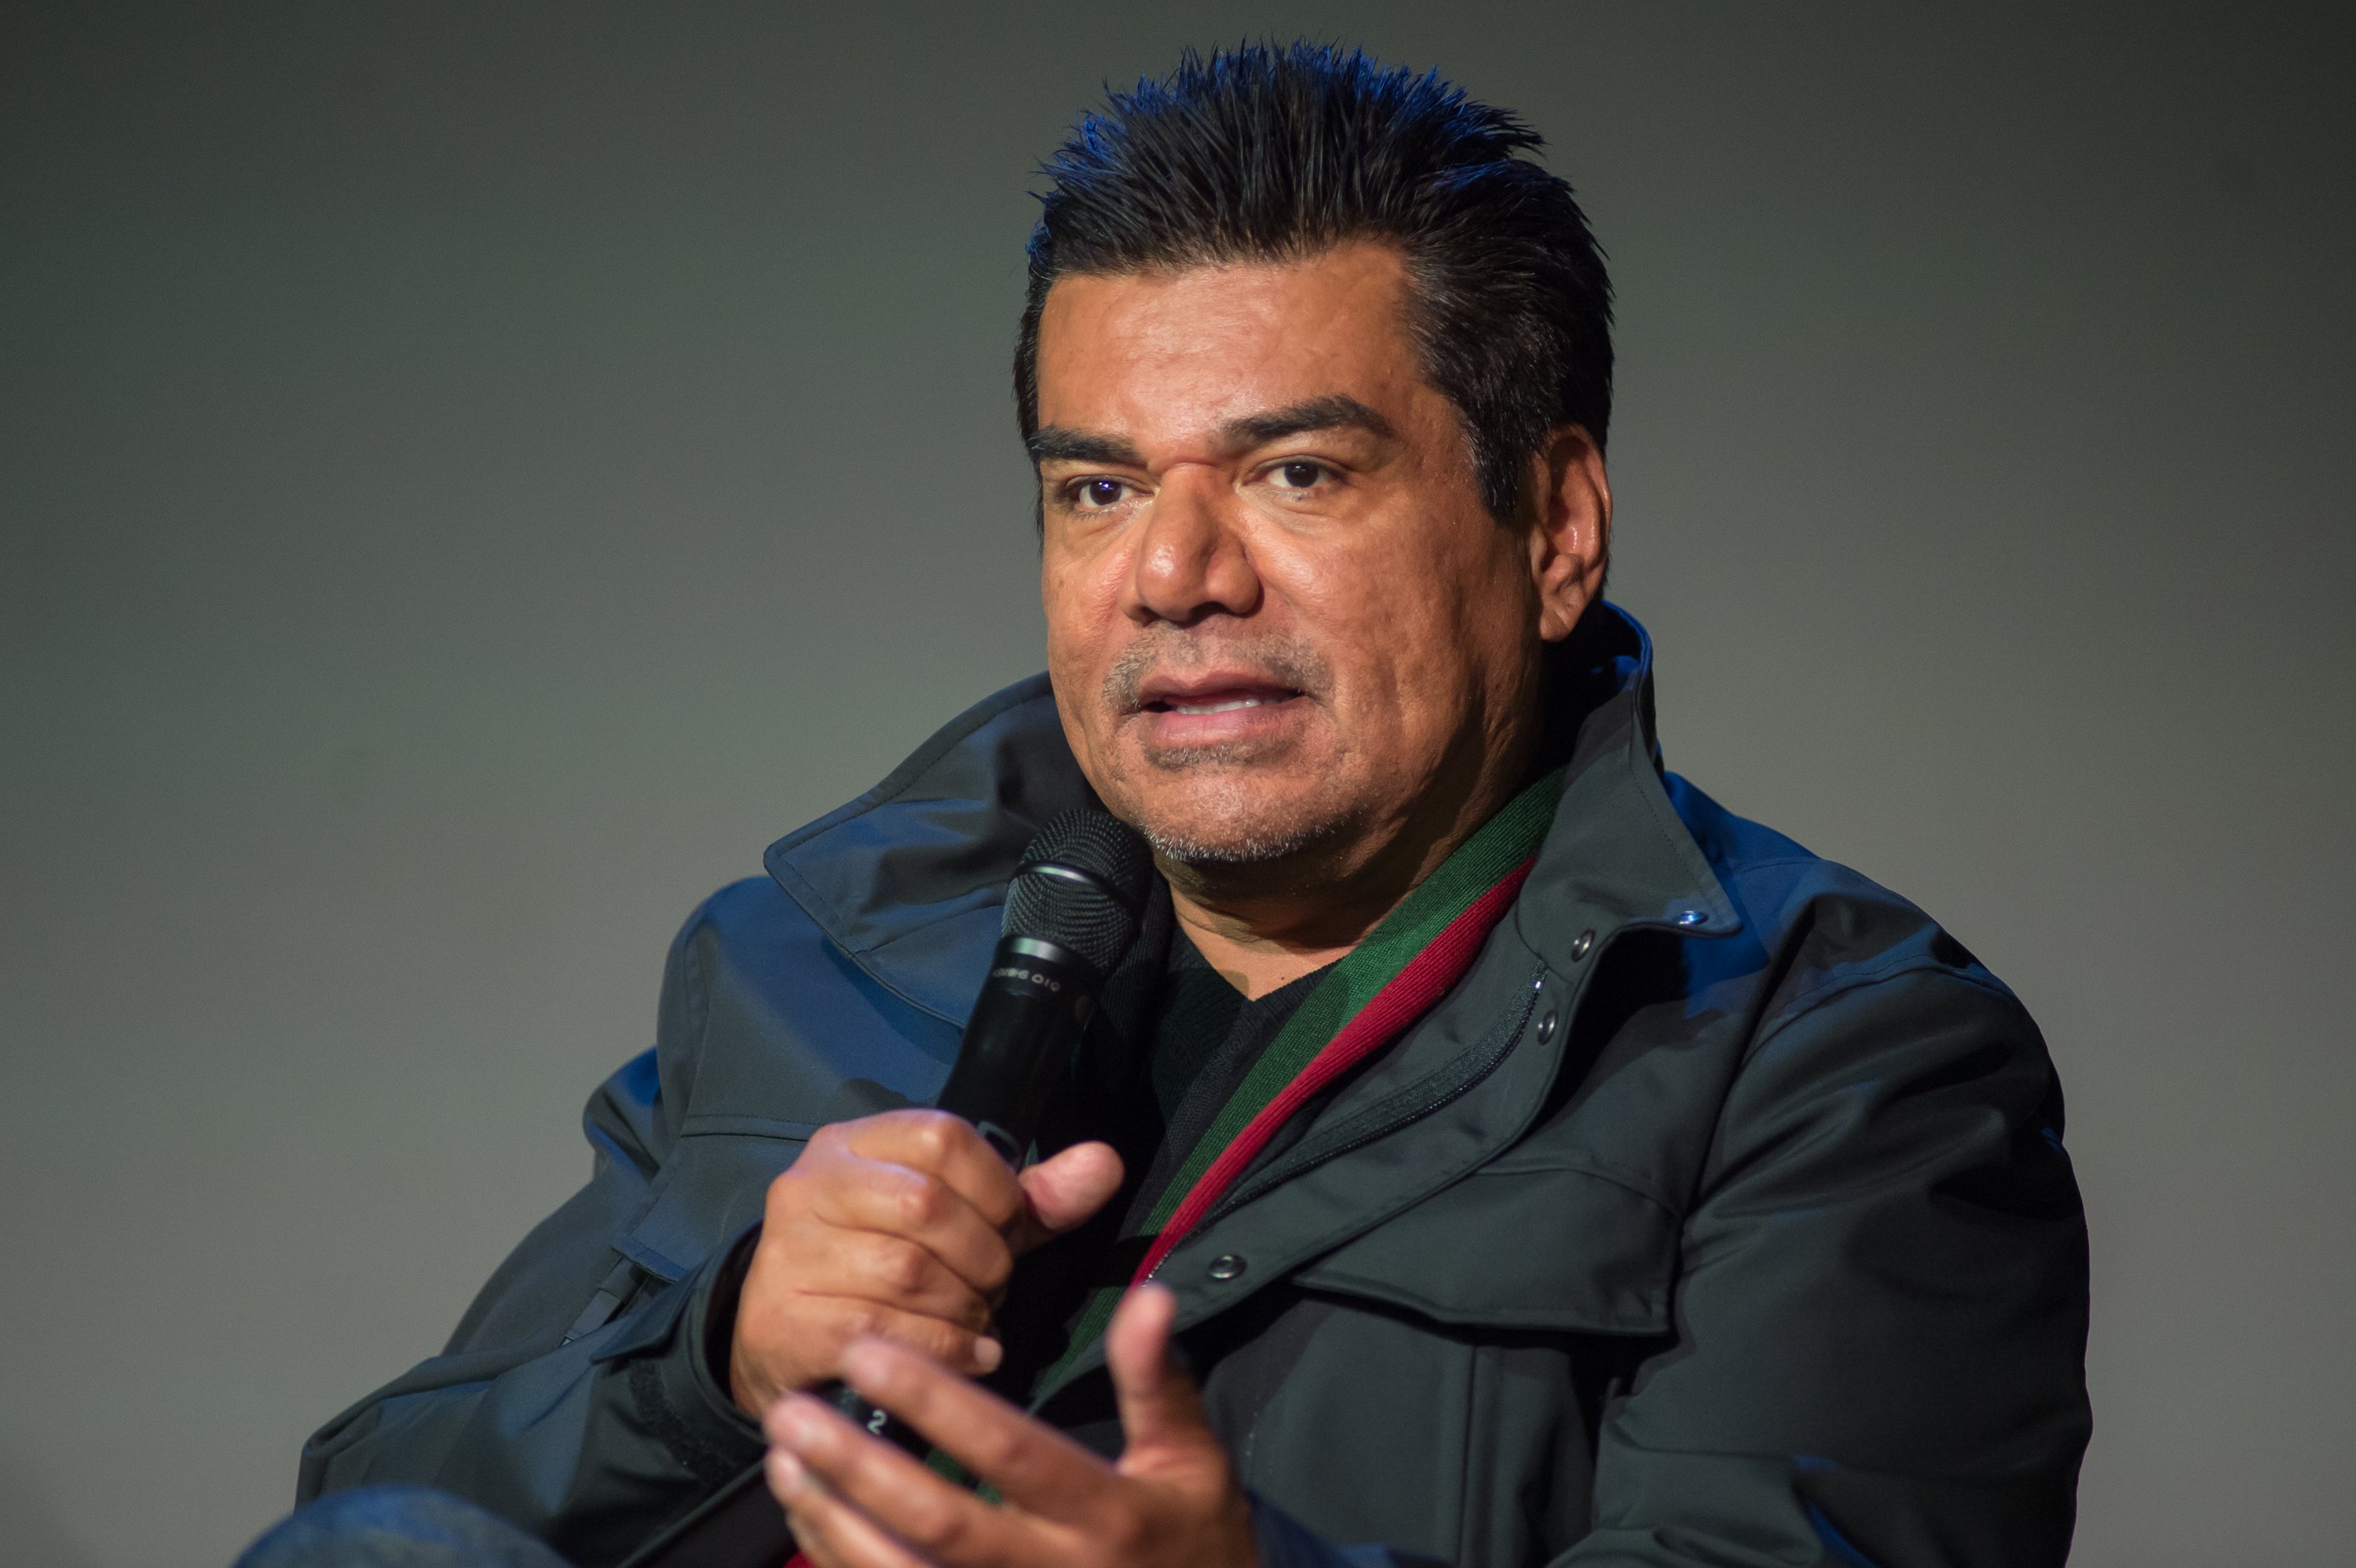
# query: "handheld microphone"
1071,913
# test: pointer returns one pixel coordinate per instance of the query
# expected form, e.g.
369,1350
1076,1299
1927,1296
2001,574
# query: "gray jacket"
1717,1216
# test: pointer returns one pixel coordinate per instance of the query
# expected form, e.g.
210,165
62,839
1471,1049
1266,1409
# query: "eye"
1298,474
1096,494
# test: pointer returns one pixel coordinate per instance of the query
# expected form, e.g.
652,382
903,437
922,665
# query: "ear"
1570,528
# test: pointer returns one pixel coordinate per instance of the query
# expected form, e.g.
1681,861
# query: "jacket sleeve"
577,1397
1880,1319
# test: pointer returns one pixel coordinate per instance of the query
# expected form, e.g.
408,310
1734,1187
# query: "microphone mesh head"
1082,887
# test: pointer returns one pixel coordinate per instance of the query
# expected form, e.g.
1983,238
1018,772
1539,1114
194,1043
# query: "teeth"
1215,707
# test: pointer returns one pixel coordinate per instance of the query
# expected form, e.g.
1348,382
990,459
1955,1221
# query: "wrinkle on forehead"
1183,358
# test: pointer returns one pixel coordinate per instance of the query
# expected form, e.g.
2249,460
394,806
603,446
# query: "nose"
1191,561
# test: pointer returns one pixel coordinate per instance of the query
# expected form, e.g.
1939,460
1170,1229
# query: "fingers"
858,1502
941,1145
1160,1409
819,1328
919,1211
882,1224
1031,1464
829,1533
905,1225
861,1498
852,1320
1062,1192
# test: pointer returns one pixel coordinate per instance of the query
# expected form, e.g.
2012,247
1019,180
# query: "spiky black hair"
1279,153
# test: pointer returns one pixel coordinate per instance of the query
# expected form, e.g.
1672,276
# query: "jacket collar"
1617,855
908,879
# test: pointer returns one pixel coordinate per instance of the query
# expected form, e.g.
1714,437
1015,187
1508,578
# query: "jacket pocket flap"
643,1328
1564,1250
712,1187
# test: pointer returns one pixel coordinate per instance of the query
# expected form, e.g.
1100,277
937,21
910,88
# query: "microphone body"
1072,911
1024,1026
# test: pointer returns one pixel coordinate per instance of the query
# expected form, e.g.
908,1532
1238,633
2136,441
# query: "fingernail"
787,1477
988,1354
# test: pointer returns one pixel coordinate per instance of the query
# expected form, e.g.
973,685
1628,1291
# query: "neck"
1262,950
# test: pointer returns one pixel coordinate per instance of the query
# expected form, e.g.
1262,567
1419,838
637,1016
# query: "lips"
1202,712
1220,696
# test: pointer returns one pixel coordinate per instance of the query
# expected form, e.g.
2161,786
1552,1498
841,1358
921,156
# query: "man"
1533,1162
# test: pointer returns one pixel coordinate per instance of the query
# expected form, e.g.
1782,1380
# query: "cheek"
1082,604
1385,624
1412,639
1064,597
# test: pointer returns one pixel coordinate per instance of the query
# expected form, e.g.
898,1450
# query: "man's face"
1280,623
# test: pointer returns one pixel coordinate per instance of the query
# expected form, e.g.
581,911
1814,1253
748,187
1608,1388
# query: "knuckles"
900,1265
937,1524
997,1268
935,1135
784,1188
858,1320
996,1448
828,1141
918,1202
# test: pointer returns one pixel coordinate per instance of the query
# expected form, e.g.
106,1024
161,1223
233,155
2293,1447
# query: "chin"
1236,820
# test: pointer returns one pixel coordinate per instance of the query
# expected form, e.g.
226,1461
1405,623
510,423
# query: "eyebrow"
1056,443
1337,412
1052,443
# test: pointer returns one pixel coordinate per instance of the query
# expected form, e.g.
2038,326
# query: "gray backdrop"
473,475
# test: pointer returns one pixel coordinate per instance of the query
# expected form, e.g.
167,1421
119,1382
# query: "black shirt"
1171,1045
1205,1037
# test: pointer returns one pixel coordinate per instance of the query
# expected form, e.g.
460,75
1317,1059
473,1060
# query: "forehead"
1191,349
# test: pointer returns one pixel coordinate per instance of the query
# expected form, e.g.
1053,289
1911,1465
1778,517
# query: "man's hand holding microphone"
902,1226
887,1246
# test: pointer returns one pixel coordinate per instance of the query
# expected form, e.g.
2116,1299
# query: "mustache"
1283,661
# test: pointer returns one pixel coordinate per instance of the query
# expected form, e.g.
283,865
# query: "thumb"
1160,1409
1060,1193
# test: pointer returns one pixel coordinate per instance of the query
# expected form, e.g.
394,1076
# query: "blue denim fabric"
1285,1543
396,1527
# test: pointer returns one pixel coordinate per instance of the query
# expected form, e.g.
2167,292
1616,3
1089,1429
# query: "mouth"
1217,711
1204,706
1201,697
